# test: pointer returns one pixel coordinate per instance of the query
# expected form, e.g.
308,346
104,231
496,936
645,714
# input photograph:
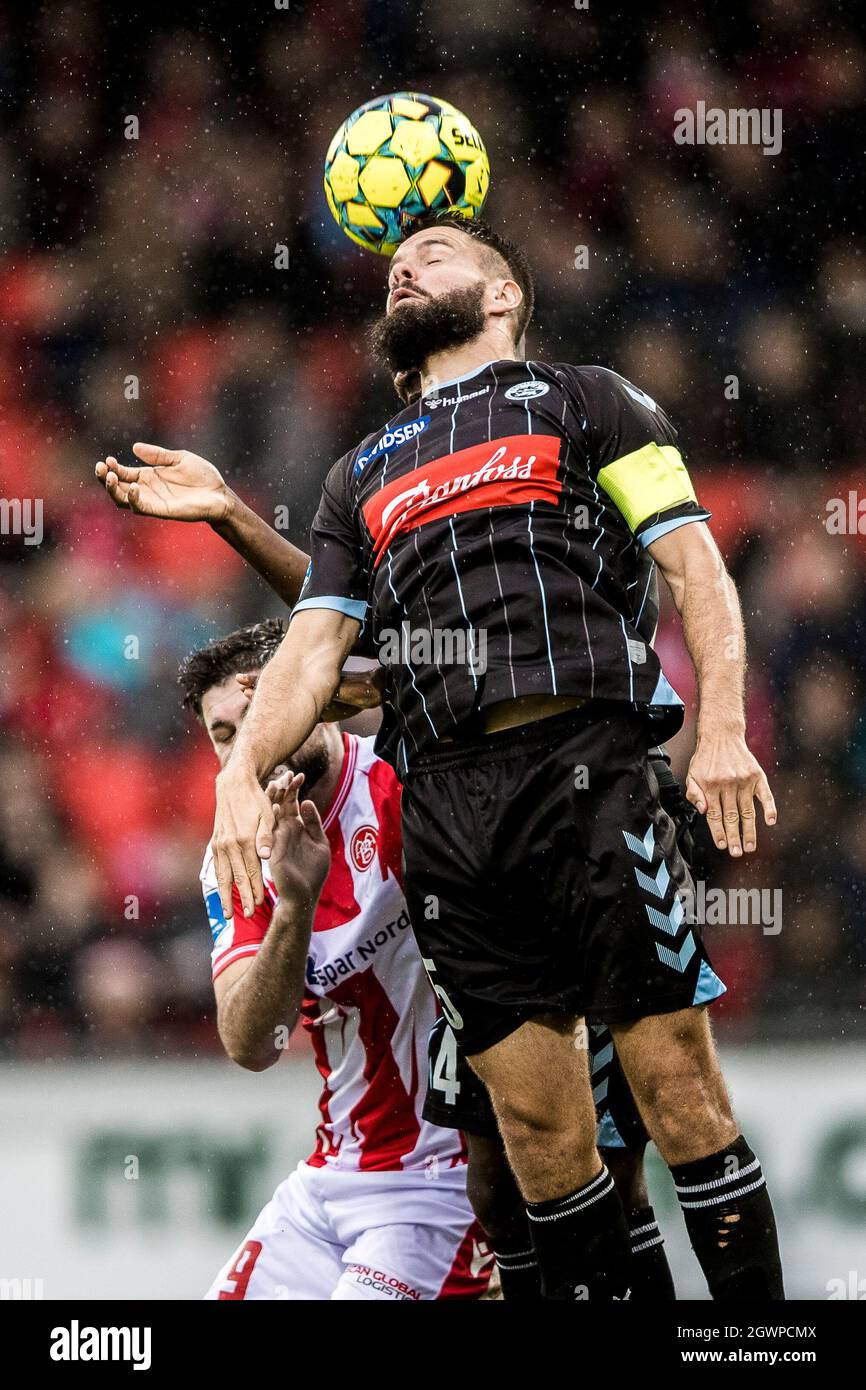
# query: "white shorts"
327,1234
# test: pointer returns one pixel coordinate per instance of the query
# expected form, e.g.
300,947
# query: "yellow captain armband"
646,482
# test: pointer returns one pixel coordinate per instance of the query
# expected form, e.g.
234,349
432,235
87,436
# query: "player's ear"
507,296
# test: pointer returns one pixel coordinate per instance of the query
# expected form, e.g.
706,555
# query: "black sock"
731,1224
650,1274
582,1243
519,1275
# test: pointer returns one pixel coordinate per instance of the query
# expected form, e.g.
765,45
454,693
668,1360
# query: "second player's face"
429,264
224,708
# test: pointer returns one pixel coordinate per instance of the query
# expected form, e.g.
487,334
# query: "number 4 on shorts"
444,1075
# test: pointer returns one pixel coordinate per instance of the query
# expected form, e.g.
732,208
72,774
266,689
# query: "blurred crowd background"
729,284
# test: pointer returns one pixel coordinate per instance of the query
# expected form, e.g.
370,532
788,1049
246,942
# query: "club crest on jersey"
527,390
363,846
389,441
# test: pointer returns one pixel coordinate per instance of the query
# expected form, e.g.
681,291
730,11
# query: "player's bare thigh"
538,1079
671,1064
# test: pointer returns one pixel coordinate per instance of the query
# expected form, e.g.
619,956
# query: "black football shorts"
458,1099
543,875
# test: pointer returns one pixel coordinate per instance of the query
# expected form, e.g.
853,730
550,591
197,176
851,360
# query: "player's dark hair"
247,649
511,254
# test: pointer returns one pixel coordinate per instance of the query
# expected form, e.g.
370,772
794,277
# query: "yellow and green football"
397,157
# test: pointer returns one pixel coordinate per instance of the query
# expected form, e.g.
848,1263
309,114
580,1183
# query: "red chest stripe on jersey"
337,904
385,791
507,472
385,1118
327,1145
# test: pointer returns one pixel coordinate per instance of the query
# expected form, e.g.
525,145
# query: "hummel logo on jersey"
527,390
391,440
433,401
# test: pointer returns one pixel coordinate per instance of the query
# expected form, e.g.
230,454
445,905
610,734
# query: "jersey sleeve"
240,937
634,455
335,576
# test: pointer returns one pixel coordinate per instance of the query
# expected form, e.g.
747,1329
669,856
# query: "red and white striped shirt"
368,1005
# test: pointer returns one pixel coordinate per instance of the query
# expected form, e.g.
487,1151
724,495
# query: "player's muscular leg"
493,1193
538,1082
671,1065
626,1167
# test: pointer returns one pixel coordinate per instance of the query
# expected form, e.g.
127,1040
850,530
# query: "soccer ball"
397,157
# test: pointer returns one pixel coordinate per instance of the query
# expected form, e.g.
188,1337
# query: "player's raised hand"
723,780
242,836
358,690
174,485
300,855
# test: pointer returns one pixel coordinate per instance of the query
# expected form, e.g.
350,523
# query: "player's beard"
311,759
404,339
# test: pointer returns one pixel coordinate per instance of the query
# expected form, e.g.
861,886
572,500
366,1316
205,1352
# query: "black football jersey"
492,541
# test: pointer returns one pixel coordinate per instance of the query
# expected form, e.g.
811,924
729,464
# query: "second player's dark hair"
511,254
247,649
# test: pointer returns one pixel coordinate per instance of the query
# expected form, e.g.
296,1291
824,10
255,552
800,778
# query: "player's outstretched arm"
723,778
259,999
293,690
357,691
176,485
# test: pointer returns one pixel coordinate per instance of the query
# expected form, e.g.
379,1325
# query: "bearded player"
543,878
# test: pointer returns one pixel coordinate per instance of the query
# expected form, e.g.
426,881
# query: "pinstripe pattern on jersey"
548,568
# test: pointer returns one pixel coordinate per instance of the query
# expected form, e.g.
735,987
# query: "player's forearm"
281,564
293,689
262,1008
714,636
